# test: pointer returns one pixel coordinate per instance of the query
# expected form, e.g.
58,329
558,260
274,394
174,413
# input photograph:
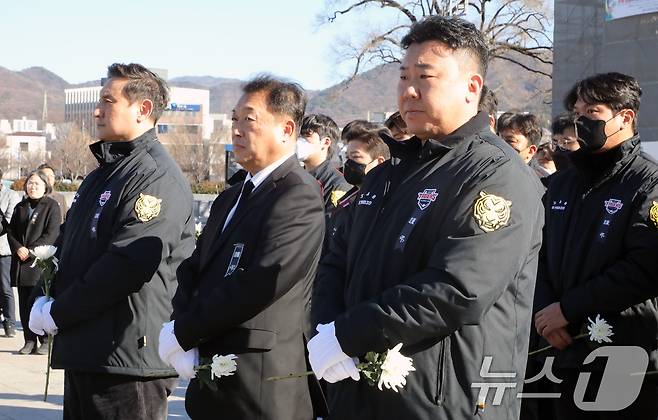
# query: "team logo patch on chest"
103,198
427,197
612,205
491,212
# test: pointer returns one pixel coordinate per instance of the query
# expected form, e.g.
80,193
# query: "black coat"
41,228
245,291
127,231
439,253
599,251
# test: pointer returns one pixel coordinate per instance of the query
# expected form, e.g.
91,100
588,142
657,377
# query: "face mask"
304,149
354,172
591,133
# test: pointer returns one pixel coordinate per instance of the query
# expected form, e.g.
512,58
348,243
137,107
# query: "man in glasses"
600,240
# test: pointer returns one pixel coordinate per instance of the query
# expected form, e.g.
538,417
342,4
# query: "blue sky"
78,39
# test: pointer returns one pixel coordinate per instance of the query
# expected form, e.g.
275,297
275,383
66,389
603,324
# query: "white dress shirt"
256,179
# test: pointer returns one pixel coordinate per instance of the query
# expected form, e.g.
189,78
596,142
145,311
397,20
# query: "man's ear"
145,110
532,149
475,83
628,116
289,128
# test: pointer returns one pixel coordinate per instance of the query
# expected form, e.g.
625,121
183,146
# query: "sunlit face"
519,142
35,187
618,127
116,118
259,137
438,87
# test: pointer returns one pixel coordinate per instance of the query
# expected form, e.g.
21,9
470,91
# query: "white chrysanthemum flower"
395,369
223,365
599,330
198,228
44,252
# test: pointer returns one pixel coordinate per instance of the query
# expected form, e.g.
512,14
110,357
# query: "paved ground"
22,381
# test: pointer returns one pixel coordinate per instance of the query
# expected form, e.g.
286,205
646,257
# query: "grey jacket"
8,200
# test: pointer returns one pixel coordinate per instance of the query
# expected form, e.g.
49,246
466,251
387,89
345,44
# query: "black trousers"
104,396
645,406
24,307
7,305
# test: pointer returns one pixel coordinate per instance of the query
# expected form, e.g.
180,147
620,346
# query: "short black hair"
371,138
488,101
142,84
42,176
357,125
529,126
456,33
282,97
323,126
562,122
616,90
504,121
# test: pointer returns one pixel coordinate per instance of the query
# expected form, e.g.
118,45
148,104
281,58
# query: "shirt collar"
261,175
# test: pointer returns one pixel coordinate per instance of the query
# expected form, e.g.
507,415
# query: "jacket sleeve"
135,250
288,247
13,236
51,226
629,280
329,288
544,293
12,201
467,271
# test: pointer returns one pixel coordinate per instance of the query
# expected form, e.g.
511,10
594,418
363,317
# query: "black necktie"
244,197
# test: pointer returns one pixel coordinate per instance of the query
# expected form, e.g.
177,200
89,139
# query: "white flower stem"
550,347
290,376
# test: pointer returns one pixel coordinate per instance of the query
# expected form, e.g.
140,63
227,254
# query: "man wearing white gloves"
246,288
128,229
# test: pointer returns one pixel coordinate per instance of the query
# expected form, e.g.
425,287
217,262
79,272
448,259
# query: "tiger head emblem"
147,207
491,212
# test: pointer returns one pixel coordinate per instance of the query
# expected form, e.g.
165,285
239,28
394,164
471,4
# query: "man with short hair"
246,288
129,227
8,200
600,241
397,127
523,134
55,195
565,140
440,249
318,137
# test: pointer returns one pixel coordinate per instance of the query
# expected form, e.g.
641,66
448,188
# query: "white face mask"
305,149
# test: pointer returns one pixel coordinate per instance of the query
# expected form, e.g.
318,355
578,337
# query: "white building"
22,153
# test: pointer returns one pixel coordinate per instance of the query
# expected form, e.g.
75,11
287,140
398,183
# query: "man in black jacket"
317,141
440,253
128,229
246,288
600,241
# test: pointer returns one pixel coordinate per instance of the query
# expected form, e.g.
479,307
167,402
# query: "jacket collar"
414,149
602,166
112,151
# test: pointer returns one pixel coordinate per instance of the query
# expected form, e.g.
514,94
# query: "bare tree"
518,31
71,156
188,151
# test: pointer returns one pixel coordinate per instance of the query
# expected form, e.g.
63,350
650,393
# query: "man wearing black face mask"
600,239
365,150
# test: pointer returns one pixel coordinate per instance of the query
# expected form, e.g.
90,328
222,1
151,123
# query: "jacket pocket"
440,372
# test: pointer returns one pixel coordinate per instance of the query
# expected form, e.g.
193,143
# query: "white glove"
184,363
48,322
343,370
324,350
36,319
168,343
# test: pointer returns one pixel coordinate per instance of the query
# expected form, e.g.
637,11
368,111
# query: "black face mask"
354,172
591,133
562,158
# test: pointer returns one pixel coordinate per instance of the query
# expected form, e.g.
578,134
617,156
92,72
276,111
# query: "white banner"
617,9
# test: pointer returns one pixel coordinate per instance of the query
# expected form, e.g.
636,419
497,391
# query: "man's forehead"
254,101
113,86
